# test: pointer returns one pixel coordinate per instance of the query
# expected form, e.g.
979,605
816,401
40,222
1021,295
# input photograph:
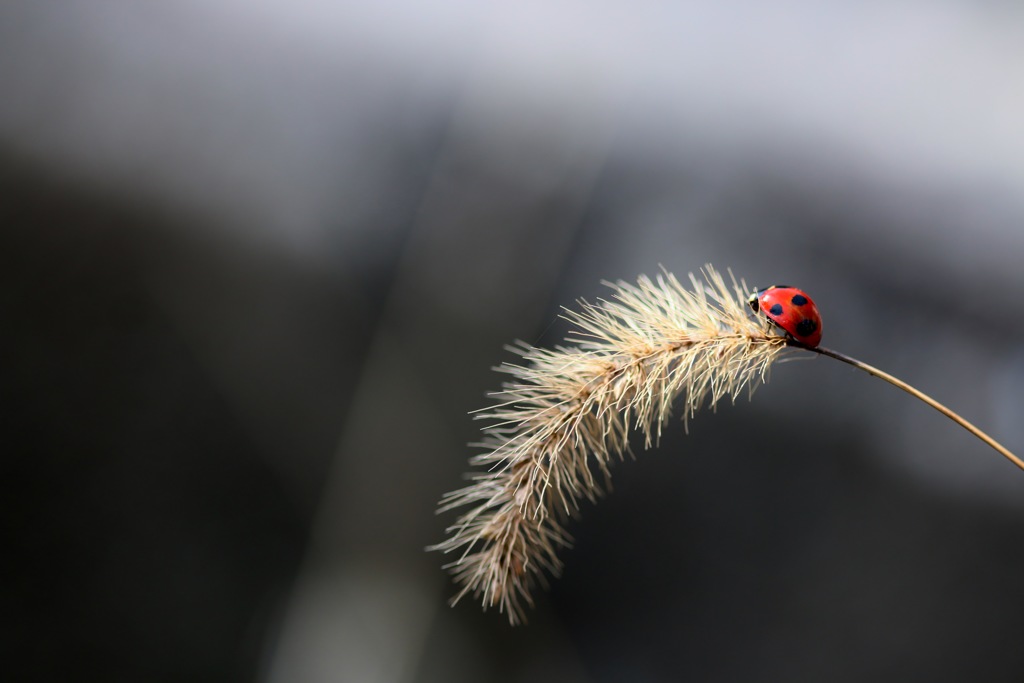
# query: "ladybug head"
754,300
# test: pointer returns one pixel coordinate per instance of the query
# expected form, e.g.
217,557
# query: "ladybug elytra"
791,310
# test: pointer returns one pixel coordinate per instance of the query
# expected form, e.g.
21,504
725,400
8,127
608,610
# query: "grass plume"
566,413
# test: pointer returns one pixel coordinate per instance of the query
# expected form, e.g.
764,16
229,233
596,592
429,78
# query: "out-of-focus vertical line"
360,609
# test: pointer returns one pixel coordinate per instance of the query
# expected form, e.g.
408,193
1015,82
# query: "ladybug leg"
794,341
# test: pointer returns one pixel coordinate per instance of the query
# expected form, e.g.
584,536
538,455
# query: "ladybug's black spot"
799,299
776,309
806,327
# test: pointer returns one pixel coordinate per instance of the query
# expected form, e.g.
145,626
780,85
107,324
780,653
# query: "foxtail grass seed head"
565,413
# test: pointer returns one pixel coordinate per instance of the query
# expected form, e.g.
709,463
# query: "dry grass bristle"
566,413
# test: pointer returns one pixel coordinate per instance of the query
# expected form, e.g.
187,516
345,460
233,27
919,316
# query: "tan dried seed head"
567,412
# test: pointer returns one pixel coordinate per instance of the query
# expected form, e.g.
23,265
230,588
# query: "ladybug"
791,310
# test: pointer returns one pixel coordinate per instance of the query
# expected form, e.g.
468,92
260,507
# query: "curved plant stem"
922,396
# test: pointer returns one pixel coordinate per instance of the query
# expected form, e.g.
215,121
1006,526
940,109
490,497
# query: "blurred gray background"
259,258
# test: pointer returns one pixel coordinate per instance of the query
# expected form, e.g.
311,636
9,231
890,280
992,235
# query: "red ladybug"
791,310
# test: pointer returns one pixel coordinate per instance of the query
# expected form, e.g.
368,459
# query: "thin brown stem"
922,396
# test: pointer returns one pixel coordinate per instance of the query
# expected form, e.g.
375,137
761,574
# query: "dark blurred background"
259,258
